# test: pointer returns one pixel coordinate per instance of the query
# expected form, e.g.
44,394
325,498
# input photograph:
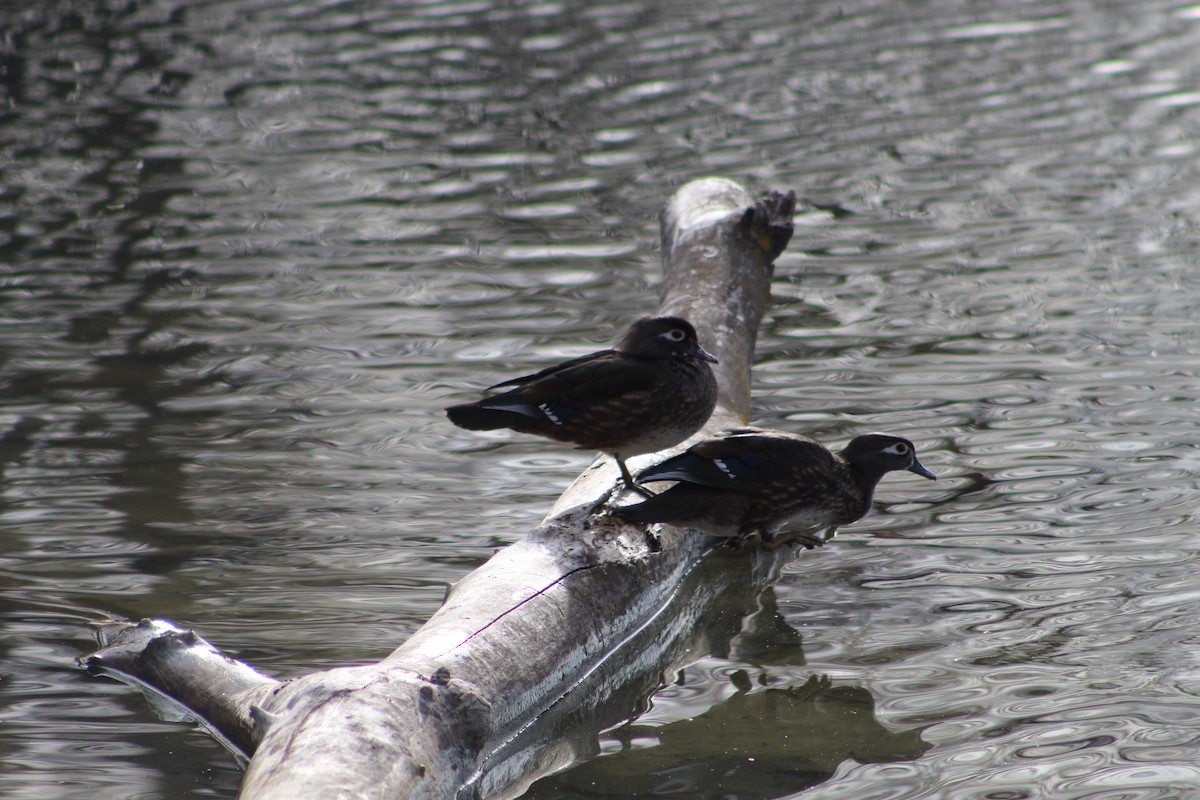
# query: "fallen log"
555,636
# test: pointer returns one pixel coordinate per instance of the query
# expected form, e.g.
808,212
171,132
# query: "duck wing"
744,462
602,383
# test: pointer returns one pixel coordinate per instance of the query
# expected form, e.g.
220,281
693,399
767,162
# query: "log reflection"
787,737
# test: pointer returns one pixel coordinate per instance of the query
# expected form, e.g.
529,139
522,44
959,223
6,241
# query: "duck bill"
919,468
701,354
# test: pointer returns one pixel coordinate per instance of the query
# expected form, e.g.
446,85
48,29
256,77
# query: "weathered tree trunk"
555,636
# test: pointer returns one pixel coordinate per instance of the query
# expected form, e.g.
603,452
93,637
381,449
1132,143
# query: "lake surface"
249,250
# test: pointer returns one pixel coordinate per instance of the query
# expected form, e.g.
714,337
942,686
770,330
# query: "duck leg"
807,540
625,476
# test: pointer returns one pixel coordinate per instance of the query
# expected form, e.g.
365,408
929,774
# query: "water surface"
249,250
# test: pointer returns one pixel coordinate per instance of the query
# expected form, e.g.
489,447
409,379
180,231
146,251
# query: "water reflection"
754,745
764,736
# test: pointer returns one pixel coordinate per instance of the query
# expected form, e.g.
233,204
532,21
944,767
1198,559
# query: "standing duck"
651,391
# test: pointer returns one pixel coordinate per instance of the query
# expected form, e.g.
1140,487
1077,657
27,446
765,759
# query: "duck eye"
676,335
900,449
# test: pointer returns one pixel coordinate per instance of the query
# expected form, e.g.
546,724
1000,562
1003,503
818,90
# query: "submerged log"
557,633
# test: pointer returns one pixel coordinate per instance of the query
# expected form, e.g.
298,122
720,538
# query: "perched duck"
779,485
651,391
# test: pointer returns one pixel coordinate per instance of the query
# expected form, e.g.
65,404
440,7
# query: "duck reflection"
765,740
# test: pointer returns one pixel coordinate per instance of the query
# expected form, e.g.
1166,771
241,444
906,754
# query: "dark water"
248,250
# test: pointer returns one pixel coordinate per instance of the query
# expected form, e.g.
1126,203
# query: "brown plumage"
651,391
779,485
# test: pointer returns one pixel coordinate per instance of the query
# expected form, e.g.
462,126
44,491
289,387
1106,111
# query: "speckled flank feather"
760,481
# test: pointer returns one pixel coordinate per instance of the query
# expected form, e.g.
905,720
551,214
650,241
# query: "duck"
777,485
652,390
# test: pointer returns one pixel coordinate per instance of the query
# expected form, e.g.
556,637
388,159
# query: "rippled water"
248,250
